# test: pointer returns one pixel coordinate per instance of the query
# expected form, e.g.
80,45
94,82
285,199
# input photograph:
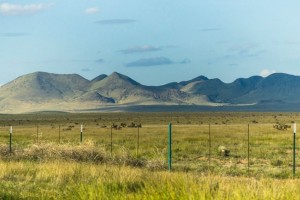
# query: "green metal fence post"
248,149
111,141
209,146
138,142
294,152
81,130
170,147
59,134
37,134
10,140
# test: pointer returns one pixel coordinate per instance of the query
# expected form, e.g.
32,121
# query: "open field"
72,180
48,157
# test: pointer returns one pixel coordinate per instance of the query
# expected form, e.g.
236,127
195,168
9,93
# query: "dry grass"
73,180
47,169
270,149
87,152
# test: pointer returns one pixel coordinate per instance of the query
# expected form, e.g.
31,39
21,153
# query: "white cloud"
266,72
18,9
92,10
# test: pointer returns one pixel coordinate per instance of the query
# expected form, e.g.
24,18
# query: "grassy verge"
71,180
87,152
49,162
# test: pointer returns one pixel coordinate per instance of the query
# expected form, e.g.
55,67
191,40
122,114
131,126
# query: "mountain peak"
117,77
197,79
200,78
280,75
116,74
99,78
48,91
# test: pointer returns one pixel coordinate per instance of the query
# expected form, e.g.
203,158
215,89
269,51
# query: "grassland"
72,180
48,161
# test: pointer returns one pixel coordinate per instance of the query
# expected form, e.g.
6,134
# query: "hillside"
125,90
41,91
68,92
276,87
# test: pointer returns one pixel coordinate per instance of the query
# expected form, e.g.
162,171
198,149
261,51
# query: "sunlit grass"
71,180
48,161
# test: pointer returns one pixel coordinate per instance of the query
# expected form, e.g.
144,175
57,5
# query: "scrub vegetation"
213,158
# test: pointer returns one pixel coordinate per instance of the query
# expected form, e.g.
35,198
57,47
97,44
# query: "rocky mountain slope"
68,92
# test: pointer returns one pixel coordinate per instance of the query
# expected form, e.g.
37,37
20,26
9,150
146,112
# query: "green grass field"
48,161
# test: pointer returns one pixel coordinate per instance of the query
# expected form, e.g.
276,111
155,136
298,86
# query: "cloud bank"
148,62
18,9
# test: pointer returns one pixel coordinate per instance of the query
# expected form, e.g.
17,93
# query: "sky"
152,41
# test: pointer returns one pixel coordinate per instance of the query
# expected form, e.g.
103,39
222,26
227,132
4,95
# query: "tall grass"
51,169
87,152
72,180
270,149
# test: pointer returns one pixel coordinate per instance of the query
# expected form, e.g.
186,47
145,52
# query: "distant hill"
41,86
125,90
42,91
276,87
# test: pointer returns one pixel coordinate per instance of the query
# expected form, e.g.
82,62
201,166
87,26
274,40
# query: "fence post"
111,142
138,142
59,134
248,149
37,134
209,146
294,152
81,135
10,139
170,147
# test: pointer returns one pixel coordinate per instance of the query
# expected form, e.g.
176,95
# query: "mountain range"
41,91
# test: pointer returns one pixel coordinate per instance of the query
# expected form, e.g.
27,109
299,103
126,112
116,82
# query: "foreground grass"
70,180
49,162
86,171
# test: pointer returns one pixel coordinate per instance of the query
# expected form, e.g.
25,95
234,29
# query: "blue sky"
152,41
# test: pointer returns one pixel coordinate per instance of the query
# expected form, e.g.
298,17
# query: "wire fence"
237,149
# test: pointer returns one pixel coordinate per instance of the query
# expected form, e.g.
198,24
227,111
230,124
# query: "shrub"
223,151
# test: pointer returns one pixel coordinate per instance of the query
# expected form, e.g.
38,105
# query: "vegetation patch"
87,152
